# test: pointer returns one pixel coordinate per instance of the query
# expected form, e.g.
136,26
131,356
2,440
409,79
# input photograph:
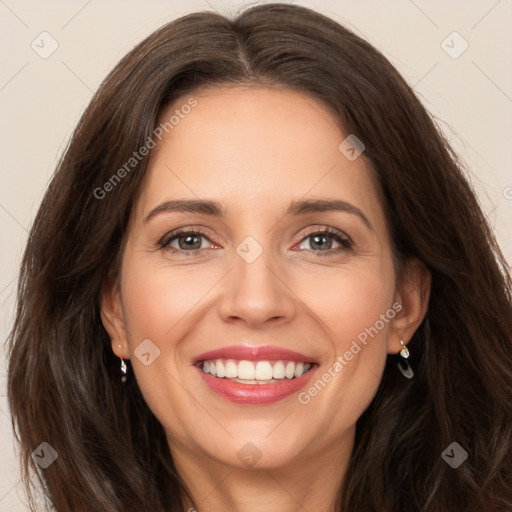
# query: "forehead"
254,147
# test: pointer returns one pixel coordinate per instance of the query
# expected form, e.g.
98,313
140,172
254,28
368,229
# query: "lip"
252,353
256,394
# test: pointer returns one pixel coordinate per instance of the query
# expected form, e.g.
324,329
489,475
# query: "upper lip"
253,353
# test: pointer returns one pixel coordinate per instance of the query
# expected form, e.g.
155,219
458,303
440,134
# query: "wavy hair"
63,379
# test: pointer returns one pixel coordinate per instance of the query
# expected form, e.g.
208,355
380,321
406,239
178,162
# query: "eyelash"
344,241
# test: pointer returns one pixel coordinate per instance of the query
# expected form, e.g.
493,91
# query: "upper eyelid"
325,229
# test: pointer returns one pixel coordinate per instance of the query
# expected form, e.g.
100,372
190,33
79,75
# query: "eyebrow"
296,208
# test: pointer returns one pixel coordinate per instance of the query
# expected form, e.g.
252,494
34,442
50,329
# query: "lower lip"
256,393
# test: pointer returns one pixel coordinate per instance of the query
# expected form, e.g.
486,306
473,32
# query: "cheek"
351,299
161,305
354,306
157,298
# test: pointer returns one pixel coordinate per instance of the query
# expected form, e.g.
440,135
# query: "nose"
257,294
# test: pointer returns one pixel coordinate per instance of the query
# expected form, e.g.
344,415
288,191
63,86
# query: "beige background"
42,99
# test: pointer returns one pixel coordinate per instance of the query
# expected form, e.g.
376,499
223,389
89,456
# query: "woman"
259,280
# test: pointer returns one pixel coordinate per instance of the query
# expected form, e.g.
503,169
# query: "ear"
413,293
112,317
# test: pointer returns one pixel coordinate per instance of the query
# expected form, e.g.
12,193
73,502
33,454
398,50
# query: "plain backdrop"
42,97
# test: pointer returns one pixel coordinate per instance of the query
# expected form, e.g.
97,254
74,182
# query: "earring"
403,364
123,371
405,351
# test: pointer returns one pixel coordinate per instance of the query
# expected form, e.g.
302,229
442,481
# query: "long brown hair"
64,382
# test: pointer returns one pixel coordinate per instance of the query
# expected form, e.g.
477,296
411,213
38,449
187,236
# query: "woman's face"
267,179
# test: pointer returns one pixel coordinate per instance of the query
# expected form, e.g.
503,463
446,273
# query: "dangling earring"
403,364
124,369
405,351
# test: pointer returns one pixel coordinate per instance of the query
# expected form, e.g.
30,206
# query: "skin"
254,150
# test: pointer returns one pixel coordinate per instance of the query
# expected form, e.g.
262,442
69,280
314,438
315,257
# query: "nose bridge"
255,290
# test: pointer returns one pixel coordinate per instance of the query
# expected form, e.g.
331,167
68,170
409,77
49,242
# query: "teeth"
231,369
290,370
219,369
261,371
245,370
278,370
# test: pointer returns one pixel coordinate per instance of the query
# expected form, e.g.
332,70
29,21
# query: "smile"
255,375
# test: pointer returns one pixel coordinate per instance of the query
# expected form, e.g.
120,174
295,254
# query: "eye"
185,240
322,240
